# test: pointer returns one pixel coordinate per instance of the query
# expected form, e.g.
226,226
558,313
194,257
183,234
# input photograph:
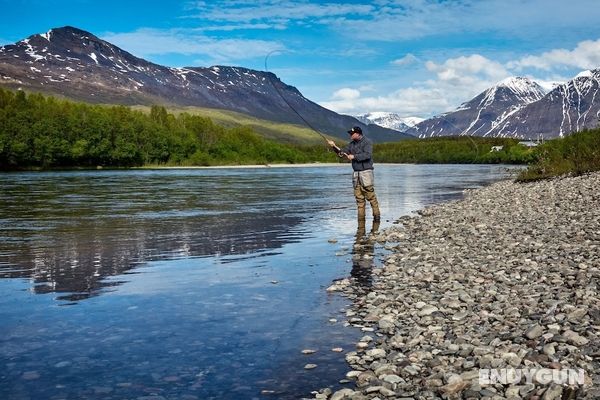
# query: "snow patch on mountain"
389,120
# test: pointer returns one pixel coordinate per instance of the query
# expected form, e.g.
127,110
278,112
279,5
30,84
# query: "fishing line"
316,130
286,101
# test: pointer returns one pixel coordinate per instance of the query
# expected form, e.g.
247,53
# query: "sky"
416,58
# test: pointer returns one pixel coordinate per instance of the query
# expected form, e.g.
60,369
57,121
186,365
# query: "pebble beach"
493,296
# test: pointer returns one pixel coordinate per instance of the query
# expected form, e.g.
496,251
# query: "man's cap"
355,129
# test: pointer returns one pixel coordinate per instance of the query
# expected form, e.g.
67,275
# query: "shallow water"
191,283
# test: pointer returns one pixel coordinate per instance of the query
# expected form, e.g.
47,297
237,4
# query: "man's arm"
335,148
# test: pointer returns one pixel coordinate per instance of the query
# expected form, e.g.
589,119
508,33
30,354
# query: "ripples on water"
203,283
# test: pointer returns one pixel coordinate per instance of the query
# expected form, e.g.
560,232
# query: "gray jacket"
362,150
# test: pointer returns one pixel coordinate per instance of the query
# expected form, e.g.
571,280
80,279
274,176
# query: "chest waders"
364,191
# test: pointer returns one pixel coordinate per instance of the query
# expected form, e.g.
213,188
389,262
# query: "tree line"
455,150
38,131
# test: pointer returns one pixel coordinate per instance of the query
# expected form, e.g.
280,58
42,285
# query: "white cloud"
548,85
585,56
406,102
455,81
460,79
408,59
346,94
408,19
237,27
468,70
277,11
148,42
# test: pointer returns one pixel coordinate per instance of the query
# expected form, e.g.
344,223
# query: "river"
188,283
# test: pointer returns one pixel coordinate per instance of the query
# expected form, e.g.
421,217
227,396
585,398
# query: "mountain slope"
482,114
76,64
570,107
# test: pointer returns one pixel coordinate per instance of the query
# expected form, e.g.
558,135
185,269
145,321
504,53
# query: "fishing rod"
287,102
336,149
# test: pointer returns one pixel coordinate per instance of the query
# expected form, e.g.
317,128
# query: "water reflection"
363,252
76,260
68,232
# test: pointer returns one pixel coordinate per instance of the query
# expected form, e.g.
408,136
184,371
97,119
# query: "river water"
188,283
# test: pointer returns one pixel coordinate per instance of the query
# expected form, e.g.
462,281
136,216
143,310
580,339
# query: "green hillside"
280,132
37,131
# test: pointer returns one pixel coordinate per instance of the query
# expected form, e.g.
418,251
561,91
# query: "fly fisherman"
360,152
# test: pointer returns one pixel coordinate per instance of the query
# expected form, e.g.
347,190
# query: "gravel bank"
506,279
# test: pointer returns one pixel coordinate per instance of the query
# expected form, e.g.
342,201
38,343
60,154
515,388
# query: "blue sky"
412,57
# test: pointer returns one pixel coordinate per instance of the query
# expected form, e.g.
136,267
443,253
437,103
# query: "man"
360,152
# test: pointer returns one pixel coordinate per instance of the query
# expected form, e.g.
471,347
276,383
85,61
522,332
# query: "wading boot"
376,213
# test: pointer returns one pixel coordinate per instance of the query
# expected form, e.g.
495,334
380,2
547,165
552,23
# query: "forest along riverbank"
486,297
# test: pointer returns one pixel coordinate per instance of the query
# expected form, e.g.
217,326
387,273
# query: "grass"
280,132
576,154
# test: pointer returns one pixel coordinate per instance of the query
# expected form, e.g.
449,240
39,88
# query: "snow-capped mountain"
570,107
482,114
389,120
76,64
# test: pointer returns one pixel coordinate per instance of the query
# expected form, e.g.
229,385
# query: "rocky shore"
490,297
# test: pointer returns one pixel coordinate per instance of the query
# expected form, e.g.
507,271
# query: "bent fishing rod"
336,149
287,102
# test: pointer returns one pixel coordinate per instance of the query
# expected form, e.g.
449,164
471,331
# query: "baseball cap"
355,129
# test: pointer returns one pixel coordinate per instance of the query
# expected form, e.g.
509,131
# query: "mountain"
570,107
518,107
482,114
76,64
389,120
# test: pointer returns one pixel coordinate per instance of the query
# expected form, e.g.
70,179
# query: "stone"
549,349
534,332
343,394
427,310
392,379
575,338
386,322
553,392
376,353
456,386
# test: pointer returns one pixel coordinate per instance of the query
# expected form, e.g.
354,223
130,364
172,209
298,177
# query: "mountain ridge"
478,116
519,107
76,64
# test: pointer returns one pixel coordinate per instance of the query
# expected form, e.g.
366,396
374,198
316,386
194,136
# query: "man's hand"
349,156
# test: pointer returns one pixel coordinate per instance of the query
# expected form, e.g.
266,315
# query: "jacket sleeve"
364,152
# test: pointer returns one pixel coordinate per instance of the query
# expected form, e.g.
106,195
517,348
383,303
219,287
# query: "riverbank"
474,291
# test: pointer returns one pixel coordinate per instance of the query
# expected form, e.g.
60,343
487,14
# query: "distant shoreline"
247,166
